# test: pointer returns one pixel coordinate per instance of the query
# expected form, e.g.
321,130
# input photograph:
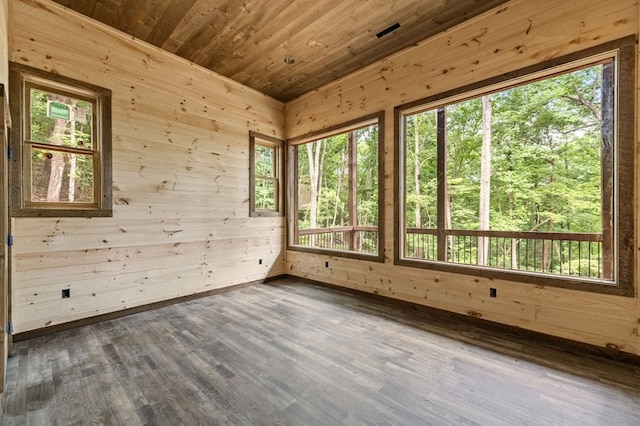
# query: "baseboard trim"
31,334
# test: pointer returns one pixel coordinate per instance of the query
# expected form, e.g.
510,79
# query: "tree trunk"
447,225
514,241
485,180
72,177
547,249
73,159
314,165
57,162
343,172
416,170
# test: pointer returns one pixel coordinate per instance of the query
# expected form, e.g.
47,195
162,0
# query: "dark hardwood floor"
294,353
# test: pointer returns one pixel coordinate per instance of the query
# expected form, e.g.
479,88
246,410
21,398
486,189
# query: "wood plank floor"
294,353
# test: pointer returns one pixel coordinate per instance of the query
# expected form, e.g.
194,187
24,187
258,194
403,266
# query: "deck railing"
568,254
360,239
574,254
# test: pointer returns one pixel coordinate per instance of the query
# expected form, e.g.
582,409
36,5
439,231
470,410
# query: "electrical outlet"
66,293
326,264
493,292
259,261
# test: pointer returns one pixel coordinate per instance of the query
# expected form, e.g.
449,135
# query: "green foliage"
545,161
545,150
265,177
77,176
333,192
421,130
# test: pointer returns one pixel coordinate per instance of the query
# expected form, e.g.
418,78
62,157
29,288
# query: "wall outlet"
493,292
66,293
259,261
326,264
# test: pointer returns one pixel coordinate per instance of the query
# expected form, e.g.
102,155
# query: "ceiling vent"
388,30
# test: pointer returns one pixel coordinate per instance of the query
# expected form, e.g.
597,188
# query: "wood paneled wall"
181,220
511,37
4,302
4,42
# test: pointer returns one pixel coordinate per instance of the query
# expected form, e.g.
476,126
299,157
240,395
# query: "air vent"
388,30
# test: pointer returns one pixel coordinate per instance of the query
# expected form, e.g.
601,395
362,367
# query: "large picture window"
337,192
61,152
523,179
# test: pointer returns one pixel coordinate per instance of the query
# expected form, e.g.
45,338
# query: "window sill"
60,212
379,258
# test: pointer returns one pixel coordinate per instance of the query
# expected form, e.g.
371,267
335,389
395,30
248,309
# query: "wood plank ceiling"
249,40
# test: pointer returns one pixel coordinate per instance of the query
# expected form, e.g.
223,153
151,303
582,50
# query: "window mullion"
607,172
441,138
294,181
59,148
352,147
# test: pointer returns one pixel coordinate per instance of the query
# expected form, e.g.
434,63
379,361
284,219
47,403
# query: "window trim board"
292,196
19,206
279,145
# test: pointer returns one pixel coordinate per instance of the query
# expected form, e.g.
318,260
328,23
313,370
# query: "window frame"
256,138
23,78
623,50
292,144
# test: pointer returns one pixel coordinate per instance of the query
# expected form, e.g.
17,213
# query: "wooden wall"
181,220
4,302
519,34
4,42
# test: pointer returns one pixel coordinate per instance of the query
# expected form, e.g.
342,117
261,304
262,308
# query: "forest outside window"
265,160
337,190
530,179
61,155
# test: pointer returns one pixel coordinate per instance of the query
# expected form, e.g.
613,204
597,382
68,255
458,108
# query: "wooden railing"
360,239
574,254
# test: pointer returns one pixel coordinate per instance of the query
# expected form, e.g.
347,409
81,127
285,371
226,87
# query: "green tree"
545,167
